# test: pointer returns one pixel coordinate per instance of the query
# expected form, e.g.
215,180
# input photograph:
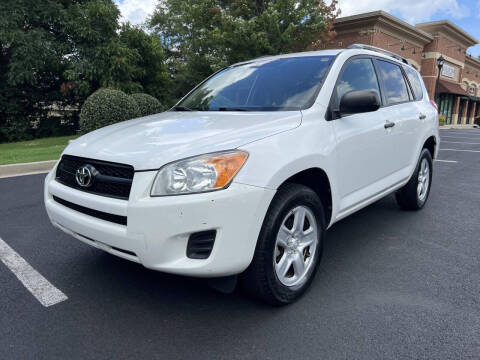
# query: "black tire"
407,197
260,279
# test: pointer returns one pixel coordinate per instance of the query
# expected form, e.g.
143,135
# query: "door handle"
389,124
422,116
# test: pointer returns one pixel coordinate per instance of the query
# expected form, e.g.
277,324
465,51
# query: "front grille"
112,180
118,219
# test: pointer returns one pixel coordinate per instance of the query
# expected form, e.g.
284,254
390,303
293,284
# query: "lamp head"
440,61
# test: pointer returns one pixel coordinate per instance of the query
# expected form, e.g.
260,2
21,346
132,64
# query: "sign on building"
448,71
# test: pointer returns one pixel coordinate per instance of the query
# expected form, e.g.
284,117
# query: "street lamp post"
440,62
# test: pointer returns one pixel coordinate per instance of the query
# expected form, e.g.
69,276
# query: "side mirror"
355,102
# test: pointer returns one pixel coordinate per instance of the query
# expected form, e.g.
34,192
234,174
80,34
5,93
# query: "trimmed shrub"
441,119
147,104
105,107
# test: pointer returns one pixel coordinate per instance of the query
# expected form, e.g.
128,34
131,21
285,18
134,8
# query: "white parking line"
475,151
40,287
447,161
460,142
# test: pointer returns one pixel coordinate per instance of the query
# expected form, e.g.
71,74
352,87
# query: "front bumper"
158,228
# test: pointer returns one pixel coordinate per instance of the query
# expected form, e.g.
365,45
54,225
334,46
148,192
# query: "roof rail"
380,50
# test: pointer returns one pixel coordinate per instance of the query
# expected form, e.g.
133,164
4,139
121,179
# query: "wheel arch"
316,179
431,145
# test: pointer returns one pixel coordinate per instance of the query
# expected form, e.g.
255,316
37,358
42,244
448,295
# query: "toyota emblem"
85,175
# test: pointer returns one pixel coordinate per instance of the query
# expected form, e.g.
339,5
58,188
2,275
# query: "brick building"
422,45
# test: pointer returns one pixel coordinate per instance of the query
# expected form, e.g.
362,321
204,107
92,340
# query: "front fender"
275,159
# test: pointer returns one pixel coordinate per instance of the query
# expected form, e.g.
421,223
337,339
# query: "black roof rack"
380,50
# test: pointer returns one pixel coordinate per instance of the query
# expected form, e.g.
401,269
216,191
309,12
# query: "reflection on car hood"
152,141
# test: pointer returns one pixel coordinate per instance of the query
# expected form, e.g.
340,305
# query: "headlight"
198,174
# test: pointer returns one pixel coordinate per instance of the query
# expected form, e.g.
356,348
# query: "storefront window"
446,106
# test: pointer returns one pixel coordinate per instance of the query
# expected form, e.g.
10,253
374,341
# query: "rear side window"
358,74
415,82
393,82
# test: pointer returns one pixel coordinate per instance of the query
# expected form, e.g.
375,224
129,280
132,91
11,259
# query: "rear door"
421,113
404,114
364,148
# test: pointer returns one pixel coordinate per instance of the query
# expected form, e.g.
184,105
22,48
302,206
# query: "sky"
464,13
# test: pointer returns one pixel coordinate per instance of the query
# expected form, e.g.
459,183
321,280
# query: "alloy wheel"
423,180
296,246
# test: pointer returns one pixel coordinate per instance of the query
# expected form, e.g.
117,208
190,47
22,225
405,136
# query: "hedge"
105,107
147,104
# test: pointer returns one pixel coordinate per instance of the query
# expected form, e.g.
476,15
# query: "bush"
441,119
105,107
147,104
54,126
18,129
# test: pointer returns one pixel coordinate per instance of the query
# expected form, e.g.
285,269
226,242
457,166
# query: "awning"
446,87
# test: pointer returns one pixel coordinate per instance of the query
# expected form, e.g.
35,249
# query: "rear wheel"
289,247
414,194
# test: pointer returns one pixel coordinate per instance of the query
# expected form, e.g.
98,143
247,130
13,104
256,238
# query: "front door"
364,147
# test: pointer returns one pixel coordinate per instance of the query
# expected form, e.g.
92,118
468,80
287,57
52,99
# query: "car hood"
152,141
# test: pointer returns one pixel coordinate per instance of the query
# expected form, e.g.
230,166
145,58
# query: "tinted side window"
415,82
393,82
358,74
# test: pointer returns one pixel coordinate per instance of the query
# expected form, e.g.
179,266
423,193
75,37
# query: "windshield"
269,85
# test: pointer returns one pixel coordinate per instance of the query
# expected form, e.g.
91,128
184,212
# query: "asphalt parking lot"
392,285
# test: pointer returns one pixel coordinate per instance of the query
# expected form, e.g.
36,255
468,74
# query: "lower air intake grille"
122,220
200,244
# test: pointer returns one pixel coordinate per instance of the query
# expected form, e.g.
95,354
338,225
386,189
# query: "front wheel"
289,247
414,194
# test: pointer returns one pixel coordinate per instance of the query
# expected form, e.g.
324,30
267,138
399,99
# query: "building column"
463,119
456,106
472,114
477,112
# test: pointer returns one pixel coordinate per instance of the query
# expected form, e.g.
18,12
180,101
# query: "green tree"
56,53
109,55
151,74
96,58
31,60
202,36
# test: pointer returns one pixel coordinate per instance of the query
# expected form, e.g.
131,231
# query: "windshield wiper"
224,108
182,108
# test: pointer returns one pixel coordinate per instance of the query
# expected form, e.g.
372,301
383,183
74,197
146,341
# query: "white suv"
248,171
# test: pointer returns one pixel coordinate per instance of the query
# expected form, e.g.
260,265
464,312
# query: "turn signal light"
227,165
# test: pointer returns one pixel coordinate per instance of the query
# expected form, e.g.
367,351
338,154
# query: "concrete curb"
26,168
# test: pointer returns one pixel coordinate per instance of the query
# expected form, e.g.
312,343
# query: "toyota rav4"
246,173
